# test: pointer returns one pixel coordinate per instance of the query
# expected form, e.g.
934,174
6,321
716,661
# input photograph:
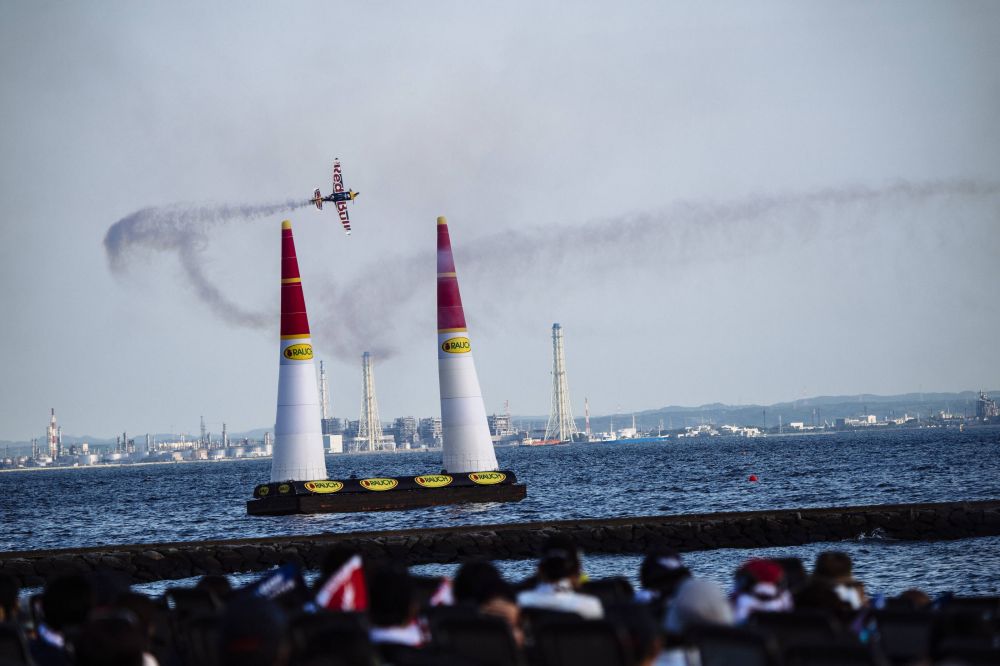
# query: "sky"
729,201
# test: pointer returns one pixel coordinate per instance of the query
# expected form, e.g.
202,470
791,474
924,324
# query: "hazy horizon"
387,418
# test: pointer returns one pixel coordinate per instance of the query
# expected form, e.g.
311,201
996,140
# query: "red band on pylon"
293,305
450,312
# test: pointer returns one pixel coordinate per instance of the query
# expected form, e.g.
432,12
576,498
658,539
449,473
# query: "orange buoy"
753,478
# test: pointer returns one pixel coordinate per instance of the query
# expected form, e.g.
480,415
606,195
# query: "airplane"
339,197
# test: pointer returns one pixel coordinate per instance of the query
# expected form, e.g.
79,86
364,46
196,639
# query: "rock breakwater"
788,527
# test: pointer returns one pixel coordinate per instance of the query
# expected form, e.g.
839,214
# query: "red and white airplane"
339,197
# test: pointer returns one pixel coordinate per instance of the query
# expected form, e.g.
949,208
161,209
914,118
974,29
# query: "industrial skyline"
424,433
762,202
815,410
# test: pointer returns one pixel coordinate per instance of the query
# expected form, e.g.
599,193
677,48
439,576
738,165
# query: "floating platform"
384,493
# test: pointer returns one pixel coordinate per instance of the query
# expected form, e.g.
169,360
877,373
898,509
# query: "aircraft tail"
318,198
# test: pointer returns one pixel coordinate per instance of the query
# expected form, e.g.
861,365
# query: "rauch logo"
299,352
456,346
379,484
433,480
323,487
487,478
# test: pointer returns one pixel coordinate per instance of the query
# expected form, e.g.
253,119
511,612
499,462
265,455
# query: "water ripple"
186,502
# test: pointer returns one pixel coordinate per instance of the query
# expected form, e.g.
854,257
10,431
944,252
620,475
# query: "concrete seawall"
165,561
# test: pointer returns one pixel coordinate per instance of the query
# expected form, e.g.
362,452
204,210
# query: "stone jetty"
685,533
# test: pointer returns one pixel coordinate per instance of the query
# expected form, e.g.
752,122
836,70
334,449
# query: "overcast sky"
736,202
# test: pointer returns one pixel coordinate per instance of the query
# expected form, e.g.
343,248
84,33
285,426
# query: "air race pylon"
467,446
298,439
471,473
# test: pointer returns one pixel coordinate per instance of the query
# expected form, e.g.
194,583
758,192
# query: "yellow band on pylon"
290,280
448,274
296,336
442,220
452,330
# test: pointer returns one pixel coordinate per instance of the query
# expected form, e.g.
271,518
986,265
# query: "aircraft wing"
338,179
345,221
338,186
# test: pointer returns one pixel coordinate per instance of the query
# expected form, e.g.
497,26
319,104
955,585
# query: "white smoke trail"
185,230
371,311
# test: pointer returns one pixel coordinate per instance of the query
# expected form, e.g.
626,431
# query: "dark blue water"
192,501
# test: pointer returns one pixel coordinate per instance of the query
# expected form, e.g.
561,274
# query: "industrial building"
986,408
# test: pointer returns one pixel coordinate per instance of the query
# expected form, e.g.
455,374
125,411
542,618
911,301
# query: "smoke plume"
384,303
380,306
185,231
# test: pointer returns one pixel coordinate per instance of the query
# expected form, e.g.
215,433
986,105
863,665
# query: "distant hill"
815,410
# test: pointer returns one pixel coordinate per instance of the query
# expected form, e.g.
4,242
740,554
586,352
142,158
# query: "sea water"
62,508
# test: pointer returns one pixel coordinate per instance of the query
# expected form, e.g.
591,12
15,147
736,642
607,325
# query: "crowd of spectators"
365,613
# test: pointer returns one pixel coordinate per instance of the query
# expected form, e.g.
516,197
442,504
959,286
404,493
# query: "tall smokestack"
467,446
561,425
52,436
298,439
369,427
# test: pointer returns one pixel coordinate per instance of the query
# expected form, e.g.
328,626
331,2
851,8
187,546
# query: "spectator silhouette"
113,640
795,572
478,584
698,602
559,578
253,632
393,607
660,574
66,602
759,586
218,586
834,568
9,591
143,610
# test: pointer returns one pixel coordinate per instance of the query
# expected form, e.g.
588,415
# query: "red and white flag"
443,596
345,590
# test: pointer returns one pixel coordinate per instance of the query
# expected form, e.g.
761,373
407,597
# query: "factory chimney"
467,446
52,436
324,393
561,425
298,442
369,428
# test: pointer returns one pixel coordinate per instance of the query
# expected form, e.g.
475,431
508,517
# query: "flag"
443,595
345,590
284,580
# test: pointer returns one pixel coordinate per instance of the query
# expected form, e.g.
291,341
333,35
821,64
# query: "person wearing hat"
559,577
760,586
660,574
698,602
